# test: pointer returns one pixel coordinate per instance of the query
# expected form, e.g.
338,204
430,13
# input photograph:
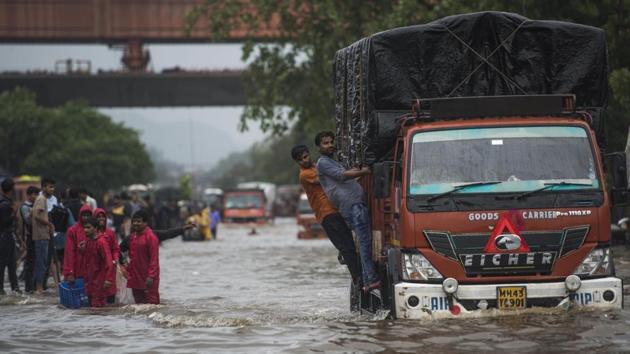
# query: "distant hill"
171,137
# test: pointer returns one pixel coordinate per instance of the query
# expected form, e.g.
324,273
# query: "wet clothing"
74,205
7,242
24,231
341,237
41,236
342,192
347,195
29,267
51,202
24,226
74,255
204,224
359,220
40,210
120,213
333,223
144,262
141,296
315,194
7,219
215,218
41,260
114,248
162,236
99,269
91,202
10,265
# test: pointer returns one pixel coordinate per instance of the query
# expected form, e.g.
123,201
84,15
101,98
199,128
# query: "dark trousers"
214,233
146,296
341,237
9,263
52,256
29,267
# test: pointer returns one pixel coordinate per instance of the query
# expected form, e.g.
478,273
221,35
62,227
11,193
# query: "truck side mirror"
381,178
619,174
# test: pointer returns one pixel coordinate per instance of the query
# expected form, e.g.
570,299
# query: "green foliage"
267,161
186,186
289,79
73,143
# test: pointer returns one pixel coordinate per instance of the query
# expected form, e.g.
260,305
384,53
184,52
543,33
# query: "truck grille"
545,248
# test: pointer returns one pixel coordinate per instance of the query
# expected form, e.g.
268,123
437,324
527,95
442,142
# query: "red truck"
309,227
244,206
490,193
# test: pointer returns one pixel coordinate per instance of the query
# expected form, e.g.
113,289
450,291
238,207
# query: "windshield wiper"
551,185
461,187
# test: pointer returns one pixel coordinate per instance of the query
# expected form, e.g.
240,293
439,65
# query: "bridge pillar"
135,58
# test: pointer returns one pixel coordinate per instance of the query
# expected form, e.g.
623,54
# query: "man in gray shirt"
346,195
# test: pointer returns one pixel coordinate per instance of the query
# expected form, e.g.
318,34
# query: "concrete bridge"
131,23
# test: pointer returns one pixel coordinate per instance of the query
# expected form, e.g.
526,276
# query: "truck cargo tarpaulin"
479,54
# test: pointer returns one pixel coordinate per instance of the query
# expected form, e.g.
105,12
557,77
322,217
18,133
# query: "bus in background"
213,197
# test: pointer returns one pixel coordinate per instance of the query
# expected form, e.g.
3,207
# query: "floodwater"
272,293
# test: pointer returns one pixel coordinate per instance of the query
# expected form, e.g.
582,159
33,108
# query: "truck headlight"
598,262
416,267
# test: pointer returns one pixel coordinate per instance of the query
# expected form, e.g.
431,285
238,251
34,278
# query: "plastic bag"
124,295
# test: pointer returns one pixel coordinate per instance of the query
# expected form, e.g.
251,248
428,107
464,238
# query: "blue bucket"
73,296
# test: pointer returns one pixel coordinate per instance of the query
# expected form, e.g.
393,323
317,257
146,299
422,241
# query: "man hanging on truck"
347,195
325,213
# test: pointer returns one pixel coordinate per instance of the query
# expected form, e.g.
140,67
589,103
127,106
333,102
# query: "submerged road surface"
274,293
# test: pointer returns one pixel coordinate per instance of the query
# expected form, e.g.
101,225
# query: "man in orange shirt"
331,220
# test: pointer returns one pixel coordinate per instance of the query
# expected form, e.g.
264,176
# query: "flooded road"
274,293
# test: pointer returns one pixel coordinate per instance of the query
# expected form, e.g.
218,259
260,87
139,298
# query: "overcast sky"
214,130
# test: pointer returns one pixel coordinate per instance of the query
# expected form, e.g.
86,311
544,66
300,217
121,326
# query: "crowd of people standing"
78,240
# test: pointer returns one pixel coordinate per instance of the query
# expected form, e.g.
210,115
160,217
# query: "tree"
289,78
74,144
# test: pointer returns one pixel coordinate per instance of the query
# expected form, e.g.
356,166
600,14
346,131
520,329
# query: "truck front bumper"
418,300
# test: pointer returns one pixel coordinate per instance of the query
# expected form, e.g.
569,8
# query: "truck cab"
244,206
501,205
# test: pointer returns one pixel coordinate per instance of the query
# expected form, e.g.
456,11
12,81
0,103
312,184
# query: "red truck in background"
491,193
244,206
309,227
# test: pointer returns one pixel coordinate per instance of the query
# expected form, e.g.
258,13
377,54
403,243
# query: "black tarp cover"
479,54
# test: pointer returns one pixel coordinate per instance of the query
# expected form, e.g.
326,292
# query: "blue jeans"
359,221
41,258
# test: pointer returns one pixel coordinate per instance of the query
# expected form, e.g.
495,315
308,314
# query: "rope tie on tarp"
485,59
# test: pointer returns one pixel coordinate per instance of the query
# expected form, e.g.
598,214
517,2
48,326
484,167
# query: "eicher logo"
505,238
508,242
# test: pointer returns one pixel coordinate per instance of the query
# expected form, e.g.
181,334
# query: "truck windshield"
243,201
521,158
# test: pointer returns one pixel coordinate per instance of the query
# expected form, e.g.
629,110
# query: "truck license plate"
511,297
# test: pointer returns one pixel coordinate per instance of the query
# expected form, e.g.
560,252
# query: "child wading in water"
99,264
